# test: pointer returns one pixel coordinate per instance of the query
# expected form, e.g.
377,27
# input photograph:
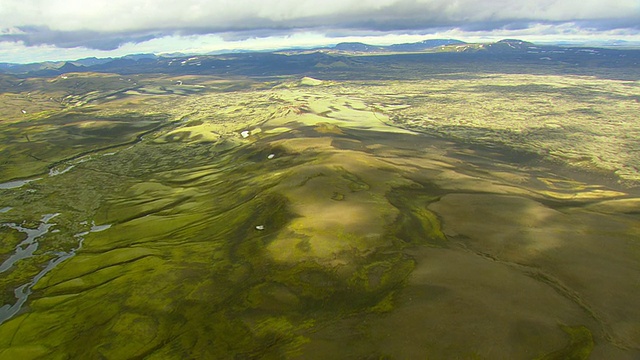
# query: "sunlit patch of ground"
581,121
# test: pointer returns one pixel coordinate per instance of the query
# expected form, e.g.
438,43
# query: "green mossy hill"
415,223
579,347
184,271
255,219
308,81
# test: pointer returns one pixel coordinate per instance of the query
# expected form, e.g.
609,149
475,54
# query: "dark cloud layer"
107,24
32,36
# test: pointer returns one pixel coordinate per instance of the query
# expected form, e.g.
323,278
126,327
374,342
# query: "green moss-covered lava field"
469,215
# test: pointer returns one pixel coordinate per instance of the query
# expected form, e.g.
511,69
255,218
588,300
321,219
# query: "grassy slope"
362,223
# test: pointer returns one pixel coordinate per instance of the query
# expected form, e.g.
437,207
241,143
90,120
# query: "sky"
41,30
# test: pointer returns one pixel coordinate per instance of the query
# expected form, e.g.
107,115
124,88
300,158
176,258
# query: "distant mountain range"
412,47
350,54
71,66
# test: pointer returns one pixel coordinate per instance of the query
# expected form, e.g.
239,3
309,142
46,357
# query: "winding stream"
16,183
26,249
29,245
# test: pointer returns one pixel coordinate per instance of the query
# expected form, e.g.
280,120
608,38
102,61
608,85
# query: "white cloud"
117,26
144,15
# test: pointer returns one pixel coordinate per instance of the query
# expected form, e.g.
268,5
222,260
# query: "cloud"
34,35
108,24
